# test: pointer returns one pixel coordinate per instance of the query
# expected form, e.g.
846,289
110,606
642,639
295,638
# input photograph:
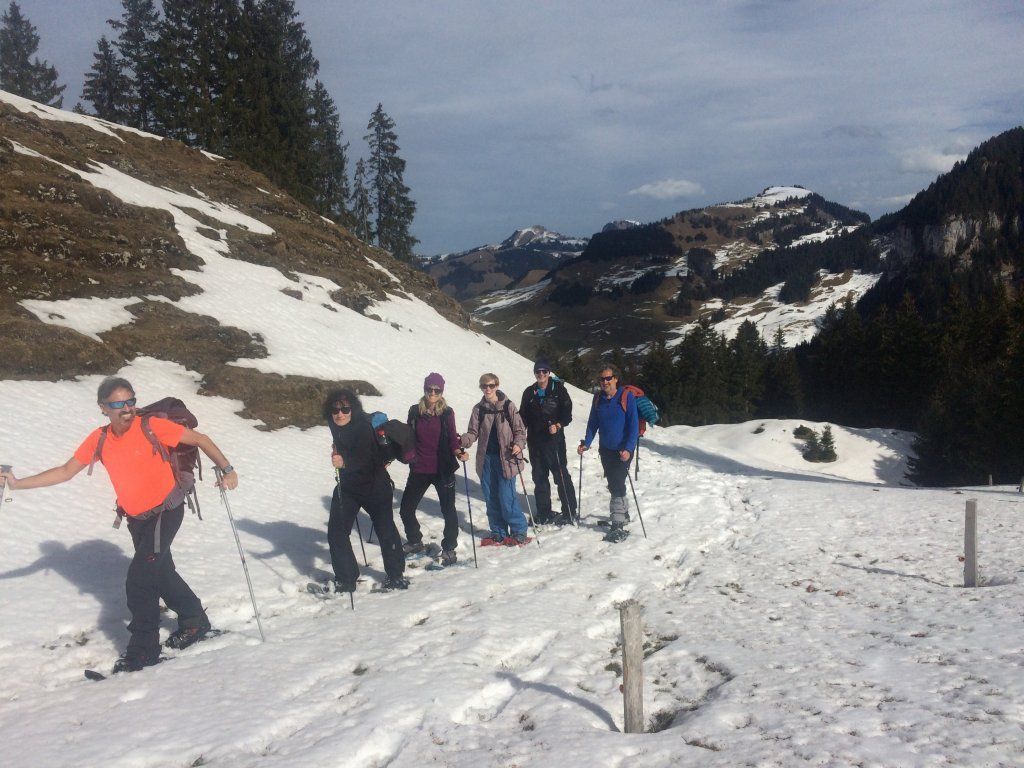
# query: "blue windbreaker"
619,429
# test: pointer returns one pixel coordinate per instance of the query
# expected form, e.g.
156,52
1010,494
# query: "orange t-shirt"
141,478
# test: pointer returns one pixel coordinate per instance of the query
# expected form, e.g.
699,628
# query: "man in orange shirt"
149,495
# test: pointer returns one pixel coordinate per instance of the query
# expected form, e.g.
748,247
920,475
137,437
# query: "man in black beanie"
546,409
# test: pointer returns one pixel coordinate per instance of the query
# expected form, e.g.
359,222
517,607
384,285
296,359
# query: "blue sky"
571,114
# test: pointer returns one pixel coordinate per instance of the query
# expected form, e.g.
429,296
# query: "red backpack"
637,394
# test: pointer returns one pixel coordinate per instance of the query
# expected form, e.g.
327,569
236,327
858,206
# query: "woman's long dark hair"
341,396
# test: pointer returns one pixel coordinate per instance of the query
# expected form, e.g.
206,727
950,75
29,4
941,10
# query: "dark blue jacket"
619,429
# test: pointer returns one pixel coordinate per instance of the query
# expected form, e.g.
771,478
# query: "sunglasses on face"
432,390
485,387
605,378
541,372
341,409
116,405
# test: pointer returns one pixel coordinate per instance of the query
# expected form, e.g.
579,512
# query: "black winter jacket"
539,413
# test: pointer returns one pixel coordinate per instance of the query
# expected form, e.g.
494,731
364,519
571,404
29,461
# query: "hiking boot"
561,520
392,583
616,533
494,540
519,540
411,548
189,633
448,557
344,586
133,660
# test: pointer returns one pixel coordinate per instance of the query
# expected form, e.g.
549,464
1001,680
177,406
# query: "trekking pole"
637,468
637,505
4,490
469,506
565,494
526,496
579,496
241,554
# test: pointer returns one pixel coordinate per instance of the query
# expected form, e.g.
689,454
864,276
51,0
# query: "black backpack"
184,459
395,439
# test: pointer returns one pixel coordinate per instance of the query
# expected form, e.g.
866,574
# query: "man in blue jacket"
614,415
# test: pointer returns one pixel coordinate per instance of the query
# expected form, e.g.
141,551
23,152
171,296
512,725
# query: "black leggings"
415,487
152,577
344,508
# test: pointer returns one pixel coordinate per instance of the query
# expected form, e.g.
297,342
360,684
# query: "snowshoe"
493,541
133,661
518,541
616,533
189,634
414,551
391,583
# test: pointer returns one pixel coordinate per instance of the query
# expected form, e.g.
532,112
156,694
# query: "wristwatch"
227,470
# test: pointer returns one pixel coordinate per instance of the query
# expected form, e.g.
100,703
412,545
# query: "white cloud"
929,161
669,189
896,201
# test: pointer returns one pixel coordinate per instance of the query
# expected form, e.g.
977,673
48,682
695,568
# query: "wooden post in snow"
632,665
1020,488
971,544
990,479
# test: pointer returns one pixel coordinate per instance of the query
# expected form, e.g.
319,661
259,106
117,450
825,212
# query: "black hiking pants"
344,508
547,457
415,487
152,578
615,471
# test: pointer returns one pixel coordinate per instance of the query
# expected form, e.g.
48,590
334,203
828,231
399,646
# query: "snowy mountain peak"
618,224
537,233
773,195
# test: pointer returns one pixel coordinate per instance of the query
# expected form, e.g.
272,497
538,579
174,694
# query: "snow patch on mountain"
52,113
798,322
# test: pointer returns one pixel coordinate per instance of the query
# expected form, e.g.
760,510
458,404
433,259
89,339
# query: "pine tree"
330,182
32,79
395,209
138,29
271,103
827,447
361,204
106,85
195,61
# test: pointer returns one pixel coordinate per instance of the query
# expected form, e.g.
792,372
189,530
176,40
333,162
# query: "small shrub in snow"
803,433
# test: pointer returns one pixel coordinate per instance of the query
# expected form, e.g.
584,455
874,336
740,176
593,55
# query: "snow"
52,113
89,316
799,322
797,613
820,237
503,299
770,196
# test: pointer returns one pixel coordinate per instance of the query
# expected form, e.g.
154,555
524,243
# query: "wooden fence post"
632,665
971,544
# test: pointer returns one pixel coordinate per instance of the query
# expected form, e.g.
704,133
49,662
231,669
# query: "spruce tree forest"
237,78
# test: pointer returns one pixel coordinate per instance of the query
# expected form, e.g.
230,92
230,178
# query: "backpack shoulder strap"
623,398
98,454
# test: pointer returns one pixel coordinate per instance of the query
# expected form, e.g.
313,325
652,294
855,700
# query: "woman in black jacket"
362,482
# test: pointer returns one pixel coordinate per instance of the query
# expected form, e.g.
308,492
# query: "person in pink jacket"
495,422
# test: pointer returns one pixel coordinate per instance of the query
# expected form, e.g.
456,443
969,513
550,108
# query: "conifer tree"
138,29
194,61
394,208
827,447
21,71
361,204
106,85
330,182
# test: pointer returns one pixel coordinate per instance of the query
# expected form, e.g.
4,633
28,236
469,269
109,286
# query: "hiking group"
150,455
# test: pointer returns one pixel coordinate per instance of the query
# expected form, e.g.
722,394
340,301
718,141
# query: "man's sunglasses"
605,378
488,386
541,372
341,409
116,405
433,390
